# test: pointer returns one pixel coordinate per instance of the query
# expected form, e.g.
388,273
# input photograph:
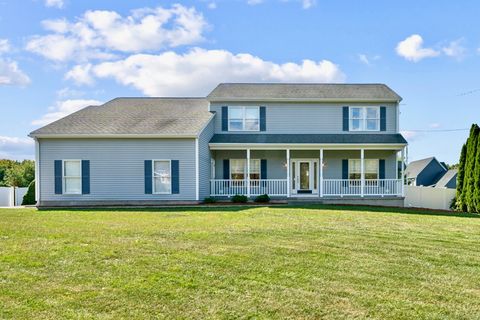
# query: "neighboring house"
448,180
424,172
330,142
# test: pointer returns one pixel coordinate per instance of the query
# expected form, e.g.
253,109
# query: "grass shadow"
417,211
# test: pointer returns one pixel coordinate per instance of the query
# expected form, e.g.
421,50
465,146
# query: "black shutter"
263,118
85,176
226,169
224,118
381,169
345,169
148,177
58,176
175,177
263,169
345,119
383,119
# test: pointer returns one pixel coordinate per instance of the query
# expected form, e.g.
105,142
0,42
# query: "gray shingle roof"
135,116
302,92
446,178
309,138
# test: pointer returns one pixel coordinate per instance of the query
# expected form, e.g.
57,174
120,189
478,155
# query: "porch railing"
353,187
226,187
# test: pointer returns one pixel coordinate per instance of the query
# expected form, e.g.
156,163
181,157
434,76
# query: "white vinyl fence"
428,197
10,197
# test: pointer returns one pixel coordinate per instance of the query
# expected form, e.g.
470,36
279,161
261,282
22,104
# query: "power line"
437,130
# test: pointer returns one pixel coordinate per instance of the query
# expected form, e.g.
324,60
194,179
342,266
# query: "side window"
72,176
162,177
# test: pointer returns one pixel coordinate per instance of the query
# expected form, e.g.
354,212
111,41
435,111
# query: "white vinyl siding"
72,176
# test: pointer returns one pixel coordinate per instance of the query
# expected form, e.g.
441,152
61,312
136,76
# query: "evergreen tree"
460,177
469,179
476,177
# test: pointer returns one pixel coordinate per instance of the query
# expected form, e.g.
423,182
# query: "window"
162,178
243,119
238,169
371,169
72,176
364,118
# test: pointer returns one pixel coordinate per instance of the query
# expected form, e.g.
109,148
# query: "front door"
304,176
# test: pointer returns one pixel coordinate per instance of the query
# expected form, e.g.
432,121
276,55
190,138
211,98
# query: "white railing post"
402,180
362,172
248,173
288,172
321,173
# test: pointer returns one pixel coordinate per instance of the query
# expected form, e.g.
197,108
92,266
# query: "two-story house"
337,143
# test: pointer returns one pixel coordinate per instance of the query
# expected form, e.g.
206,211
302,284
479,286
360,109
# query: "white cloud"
16,148
81,74
55,3
455,49
367,60
4,46
307,4
198,71
64,108
10,74
212,5
412,49
434,125
254,2
410,135
99,34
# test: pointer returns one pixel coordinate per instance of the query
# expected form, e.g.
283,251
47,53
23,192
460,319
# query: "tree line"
467,197
16,173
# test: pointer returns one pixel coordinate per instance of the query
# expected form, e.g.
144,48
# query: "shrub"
264,198
209,200
29,197
239,199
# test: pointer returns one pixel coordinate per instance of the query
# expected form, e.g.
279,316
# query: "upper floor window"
162,178
72,176
364,118
243,119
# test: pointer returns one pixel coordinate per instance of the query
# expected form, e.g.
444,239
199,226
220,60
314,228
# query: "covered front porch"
327,172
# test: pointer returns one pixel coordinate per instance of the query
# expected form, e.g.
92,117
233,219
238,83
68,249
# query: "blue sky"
57,56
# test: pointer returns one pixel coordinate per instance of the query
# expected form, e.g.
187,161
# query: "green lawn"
277,262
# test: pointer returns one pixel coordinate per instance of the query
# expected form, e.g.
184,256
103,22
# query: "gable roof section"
120,117
303,92
414,168
309,138
446,178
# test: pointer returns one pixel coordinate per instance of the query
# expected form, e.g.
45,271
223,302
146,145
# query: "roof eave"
302,100
111,136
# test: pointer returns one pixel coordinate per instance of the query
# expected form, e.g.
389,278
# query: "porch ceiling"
305,141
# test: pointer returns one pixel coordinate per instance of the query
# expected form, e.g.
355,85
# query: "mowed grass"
239,263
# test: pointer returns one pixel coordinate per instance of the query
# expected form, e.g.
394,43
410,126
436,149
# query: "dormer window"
364,118
243,119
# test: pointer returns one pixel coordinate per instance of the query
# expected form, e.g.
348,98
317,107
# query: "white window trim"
244,118
364,171
153,175
64,177
244,167
363,119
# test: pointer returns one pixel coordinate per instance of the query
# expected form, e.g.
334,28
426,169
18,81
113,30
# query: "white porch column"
362,171
288,172
402,179
248,172
321,172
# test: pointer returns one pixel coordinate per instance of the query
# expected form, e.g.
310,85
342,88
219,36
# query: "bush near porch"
239,262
